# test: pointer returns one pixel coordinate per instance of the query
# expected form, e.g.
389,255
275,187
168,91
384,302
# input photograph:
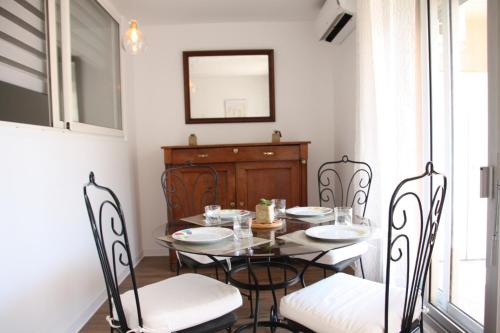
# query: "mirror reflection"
228,87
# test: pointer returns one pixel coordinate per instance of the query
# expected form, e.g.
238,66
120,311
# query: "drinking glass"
343,215
242,227
279,207
212,214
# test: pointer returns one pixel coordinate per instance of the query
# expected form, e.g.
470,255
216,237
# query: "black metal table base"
291,277
270,324
253,285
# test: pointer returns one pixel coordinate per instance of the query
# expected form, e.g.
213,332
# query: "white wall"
51,280
304,99
344,69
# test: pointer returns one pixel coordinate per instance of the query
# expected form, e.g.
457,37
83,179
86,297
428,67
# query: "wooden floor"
153,269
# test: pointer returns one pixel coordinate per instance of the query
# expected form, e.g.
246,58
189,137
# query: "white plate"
309,211
228,214
339,233
202,235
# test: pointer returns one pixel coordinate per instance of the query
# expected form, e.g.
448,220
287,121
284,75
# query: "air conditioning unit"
336,20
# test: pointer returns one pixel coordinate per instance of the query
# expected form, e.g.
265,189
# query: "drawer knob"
268,153
303,161
232,204
202,155
236,150
242,204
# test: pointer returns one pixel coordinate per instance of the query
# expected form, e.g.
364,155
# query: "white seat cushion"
335,256
180,302
345,304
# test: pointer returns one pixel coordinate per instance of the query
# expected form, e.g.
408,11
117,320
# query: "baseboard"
155,252
99,301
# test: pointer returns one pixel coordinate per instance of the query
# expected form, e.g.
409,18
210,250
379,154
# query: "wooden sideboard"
247,172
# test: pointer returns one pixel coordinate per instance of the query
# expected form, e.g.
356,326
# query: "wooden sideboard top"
289,143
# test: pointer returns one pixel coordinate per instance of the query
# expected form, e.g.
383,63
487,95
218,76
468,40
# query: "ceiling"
152,12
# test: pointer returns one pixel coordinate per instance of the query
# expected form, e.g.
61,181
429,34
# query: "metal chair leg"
361,265
250,296
285,276
178,270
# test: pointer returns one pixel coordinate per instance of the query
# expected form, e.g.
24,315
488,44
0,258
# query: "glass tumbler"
279,207
343,215
212,214
242,227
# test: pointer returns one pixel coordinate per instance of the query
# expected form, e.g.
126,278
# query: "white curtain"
389,133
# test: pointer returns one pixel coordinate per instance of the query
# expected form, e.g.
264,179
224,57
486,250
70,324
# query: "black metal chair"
188,189
345,303
185,303
332,178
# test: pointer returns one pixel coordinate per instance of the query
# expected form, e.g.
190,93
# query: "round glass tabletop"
288,240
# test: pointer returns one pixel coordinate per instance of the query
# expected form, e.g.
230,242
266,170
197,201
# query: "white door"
463,140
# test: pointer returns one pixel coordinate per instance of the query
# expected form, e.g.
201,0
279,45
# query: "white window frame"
439,319
68,124
56,124
53,70
67,89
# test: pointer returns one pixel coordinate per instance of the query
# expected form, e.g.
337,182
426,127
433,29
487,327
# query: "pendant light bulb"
133,39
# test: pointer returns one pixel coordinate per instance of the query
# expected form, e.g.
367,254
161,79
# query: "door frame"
435,317
492,299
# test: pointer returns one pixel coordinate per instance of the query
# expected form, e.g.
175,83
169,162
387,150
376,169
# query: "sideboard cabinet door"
256,180
226,188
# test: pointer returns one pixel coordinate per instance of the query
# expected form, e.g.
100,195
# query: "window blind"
23,59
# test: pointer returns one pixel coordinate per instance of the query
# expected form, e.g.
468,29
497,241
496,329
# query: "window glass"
460,147
24,94
95,65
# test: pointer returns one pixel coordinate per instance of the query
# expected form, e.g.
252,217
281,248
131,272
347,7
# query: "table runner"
200,220
218,248
301,238
331,217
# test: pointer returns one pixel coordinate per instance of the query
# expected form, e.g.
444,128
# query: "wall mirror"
229,86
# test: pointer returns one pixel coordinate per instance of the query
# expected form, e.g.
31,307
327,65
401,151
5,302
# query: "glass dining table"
269,249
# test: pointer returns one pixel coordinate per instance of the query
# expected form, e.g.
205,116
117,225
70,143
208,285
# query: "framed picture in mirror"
229,86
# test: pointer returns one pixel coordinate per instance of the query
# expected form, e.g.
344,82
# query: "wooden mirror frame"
187,96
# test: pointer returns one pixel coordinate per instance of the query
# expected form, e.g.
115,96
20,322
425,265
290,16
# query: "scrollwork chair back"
109,228
411,218
188,189
345,183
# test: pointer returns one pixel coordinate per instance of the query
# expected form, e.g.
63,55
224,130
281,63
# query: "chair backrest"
110,227
411,218
188,189
345,183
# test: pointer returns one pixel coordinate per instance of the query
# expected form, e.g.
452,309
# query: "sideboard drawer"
268,153
202,155
236,154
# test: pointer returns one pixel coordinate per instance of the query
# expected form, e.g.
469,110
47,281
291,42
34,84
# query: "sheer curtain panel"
389,124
